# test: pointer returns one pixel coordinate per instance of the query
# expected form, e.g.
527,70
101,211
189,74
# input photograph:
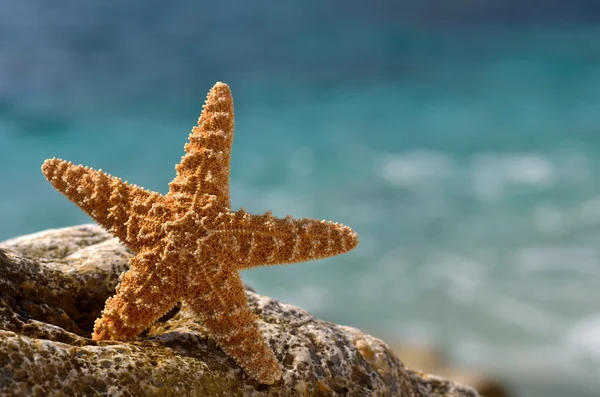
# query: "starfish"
189,244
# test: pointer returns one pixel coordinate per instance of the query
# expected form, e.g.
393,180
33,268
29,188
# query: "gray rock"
53,285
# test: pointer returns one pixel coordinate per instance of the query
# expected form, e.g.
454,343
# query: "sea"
463,150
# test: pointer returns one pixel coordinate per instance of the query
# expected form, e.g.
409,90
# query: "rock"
53,285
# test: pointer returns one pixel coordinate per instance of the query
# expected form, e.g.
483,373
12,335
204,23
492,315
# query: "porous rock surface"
53,285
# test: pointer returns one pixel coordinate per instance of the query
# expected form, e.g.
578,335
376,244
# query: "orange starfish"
190,246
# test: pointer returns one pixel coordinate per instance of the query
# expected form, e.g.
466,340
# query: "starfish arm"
219,298
146,292
119,207
203,173
256,240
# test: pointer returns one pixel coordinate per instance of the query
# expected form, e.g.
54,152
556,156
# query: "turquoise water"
466,161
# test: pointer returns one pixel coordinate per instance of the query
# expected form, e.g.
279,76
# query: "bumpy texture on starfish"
190,245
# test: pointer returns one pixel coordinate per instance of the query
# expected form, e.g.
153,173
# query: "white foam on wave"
584,337
460,276
527,316
492,174
414,168
574,258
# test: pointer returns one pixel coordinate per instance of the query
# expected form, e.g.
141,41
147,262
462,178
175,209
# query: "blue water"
465,156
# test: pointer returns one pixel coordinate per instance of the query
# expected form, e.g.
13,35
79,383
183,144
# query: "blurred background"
459,139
